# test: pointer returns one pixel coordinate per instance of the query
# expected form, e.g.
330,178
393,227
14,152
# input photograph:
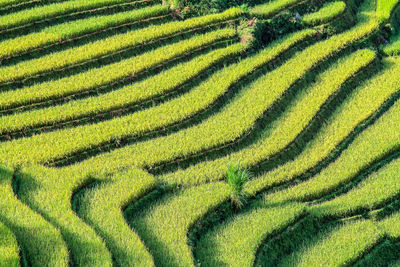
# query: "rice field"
123,123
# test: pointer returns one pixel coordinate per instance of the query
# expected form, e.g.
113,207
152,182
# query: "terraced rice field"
118,119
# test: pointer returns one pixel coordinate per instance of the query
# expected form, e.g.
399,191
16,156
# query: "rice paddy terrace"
118,119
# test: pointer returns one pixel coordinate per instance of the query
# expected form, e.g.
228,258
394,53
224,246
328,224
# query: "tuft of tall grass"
236,176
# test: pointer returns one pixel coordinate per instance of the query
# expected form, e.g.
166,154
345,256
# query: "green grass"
9,250
235,242
236,176
135,93
285,129
94,78
328,12
369,146
391,226
393,48
385,8
188,104
96,49
165,225
371,193
69,30
127,162
52,200
102,208
4,3
229,124
43,244
272,7
360,105
338,248
49,11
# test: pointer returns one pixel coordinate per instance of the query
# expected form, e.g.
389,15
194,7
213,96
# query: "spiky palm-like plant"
236,177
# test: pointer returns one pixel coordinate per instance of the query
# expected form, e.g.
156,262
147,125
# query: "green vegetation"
53,201
178,109
391,225
165,224
370,194
235,242
12,2
202,7
102,209
43,244
340,247
76,28
188,133
8,248
373,144
362,104
94,78
109,45
272,7
49,11
283,131
236,177
325,14
220,128
393,49
385,8
128,95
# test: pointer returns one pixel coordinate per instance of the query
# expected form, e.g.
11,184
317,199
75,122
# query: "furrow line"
102,206
109,75
329,143
41,242
159,150
365,150
167,92
108,56
174,109
295,132
121,42
85,247
110,87
39,15
76,30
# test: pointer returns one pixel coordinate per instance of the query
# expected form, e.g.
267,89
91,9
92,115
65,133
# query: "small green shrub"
255,31
236,177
